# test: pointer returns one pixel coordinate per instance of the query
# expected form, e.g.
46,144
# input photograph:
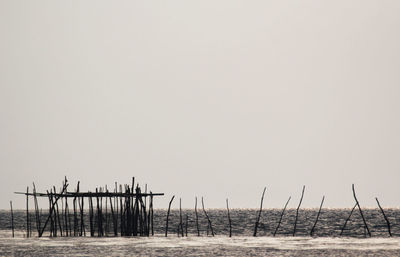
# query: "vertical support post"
229,218
197,217
297,211
316,220
27,212
12,219
259,213
169,208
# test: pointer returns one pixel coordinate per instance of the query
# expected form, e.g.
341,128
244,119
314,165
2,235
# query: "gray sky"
208,98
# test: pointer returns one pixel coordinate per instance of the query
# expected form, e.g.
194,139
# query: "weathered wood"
229,218
384,216
169,208
37,216
347,220
282,213
51,209
208,218
359,208
197,217
27,212
316,220
12,219
297,211
180,217
259,213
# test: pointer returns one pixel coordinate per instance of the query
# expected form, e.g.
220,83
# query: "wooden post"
12,219
347,220
282,213
316,220
259,213
197,217
180,217
169,208
384,215
208,218
27,212
229,218
37,216
359,208
297,210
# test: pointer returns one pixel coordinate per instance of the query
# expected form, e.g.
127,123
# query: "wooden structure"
127,211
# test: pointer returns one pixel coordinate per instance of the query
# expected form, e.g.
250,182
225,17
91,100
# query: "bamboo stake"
384,215
180,217
12,219
229,218
51,209
27,212
297,211
259,213
197,217
169,208
316,220
348,218
282,213
37,216
359,208
208,218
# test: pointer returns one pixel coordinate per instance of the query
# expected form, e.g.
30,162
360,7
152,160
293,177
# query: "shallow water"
326,241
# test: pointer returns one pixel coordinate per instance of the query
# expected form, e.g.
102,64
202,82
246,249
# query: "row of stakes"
132,216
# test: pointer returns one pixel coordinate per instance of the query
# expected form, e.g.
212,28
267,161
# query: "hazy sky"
208,98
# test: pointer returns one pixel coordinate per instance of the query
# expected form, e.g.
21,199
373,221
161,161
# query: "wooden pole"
316,220
12,219
197,217
348,218
169,208
259,213
386,218
36,210
180,217
229,218
282,213
359,208
27,212
297,211
208,218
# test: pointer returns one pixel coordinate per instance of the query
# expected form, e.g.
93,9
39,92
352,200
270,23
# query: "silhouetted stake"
384,215
27,212
152,213
51,209
186,225
259,213
297,210
169,208
348,218
197,217
91,216
229,218
282,213
12,219
359,208
37,216
316,220
208,218
58,215
180,217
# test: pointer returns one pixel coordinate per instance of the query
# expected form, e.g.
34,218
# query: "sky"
203,98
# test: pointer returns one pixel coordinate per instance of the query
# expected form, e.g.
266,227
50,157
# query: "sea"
325,241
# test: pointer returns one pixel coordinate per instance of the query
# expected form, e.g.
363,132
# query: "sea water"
326,240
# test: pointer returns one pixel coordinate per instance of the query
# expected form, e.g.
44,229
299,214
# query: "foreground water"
326,241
